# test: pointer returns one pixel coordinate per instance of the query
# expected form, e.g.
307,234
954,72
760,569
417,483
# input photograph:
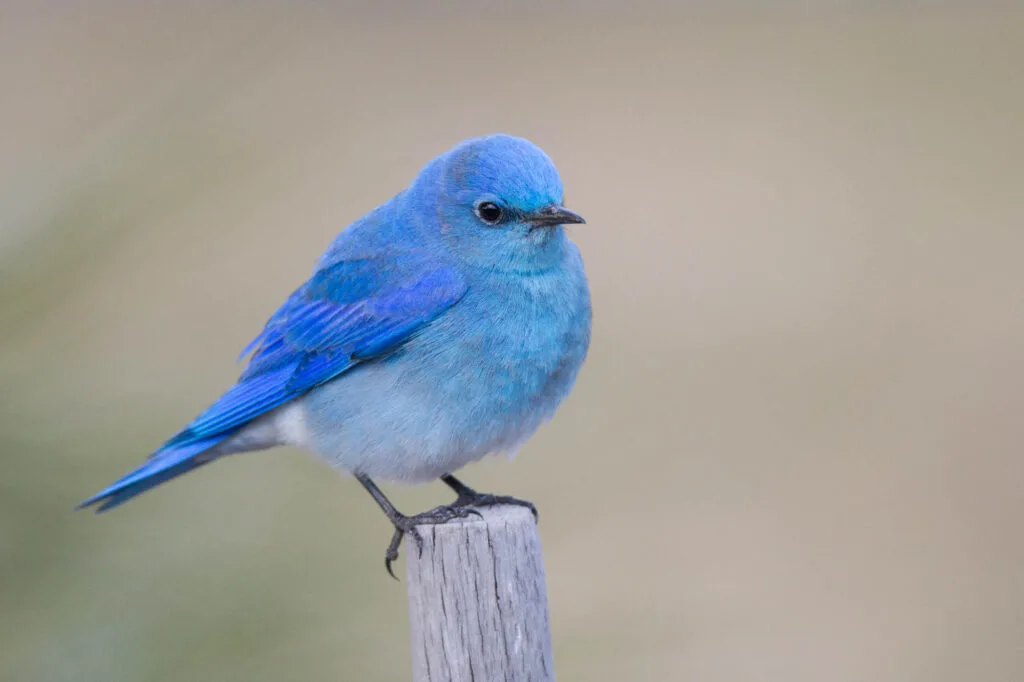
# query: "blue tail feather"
162,466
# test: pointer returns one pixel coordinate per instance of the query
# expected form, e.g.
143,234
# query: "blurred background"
794,453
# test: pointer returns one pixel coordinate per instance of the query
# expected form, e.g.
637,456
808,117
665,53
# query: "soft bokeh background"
794,453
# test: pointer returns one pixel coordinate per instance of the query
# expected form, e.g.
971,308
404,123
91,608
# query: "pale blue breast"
479,380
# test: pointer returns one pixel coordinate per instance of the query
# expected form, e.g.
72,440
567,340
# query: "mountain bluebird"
446,324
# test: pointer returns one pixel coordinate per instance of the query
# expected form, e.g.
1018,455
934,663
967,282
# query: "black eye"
489,212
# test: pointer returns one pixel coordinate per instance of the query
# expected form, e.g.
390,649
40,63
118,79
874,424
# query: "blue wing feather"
348,312
323,330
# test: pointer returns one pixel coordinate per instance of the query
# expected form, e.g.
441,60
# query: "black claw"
467,497
419,540
475,499
392,552
461,508
408,525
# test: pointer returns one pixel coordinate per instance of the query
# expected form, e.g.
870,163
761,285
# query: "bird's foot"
471,498
406,525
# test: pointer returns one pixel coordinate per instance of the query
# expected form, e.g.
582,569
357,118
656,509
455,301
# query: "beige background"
794,453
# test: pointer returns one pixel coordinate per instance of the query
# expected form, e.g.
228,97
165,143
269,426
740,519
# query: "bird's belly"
440,403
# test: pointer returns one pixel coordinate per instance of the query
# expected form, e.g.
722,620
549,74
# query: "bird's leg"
467,497
407,524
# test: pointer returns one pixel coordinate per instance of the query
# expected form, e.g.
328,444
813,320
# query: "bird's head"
499,204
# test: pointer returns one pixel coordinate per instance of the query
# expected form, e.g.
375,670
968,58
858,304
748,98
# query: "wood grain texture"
478,605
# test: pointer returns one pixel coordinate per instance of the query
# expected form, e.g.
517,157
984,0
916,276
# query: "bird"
445,325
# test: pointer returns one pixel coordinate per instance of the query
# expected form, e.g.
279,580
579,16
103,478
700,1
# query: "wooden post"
478,603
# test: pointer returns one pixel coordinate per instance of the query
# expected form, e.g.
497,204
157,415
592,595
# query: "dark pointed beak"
550,216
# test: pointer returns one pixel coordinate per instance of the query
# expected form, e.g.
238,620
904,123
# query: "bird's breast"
479,379
528,336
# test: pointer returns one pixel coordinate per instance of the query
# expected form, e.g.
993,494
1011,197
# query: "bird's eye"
489,212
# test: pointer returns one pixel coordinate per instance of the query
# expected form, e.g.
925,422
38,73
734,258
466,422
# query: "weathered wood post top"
478,606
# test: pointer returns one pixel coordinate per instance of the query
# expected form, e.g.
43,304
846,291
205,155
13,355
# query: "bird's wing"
348,312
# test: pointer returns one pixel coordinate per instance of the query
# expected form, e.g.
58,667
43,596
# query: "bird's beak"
549,216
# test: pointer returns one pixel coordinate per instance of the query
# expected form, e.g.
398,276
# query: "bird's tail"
169,462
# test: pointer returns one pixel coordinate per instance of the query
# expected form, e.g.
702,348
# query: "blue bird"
446,324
